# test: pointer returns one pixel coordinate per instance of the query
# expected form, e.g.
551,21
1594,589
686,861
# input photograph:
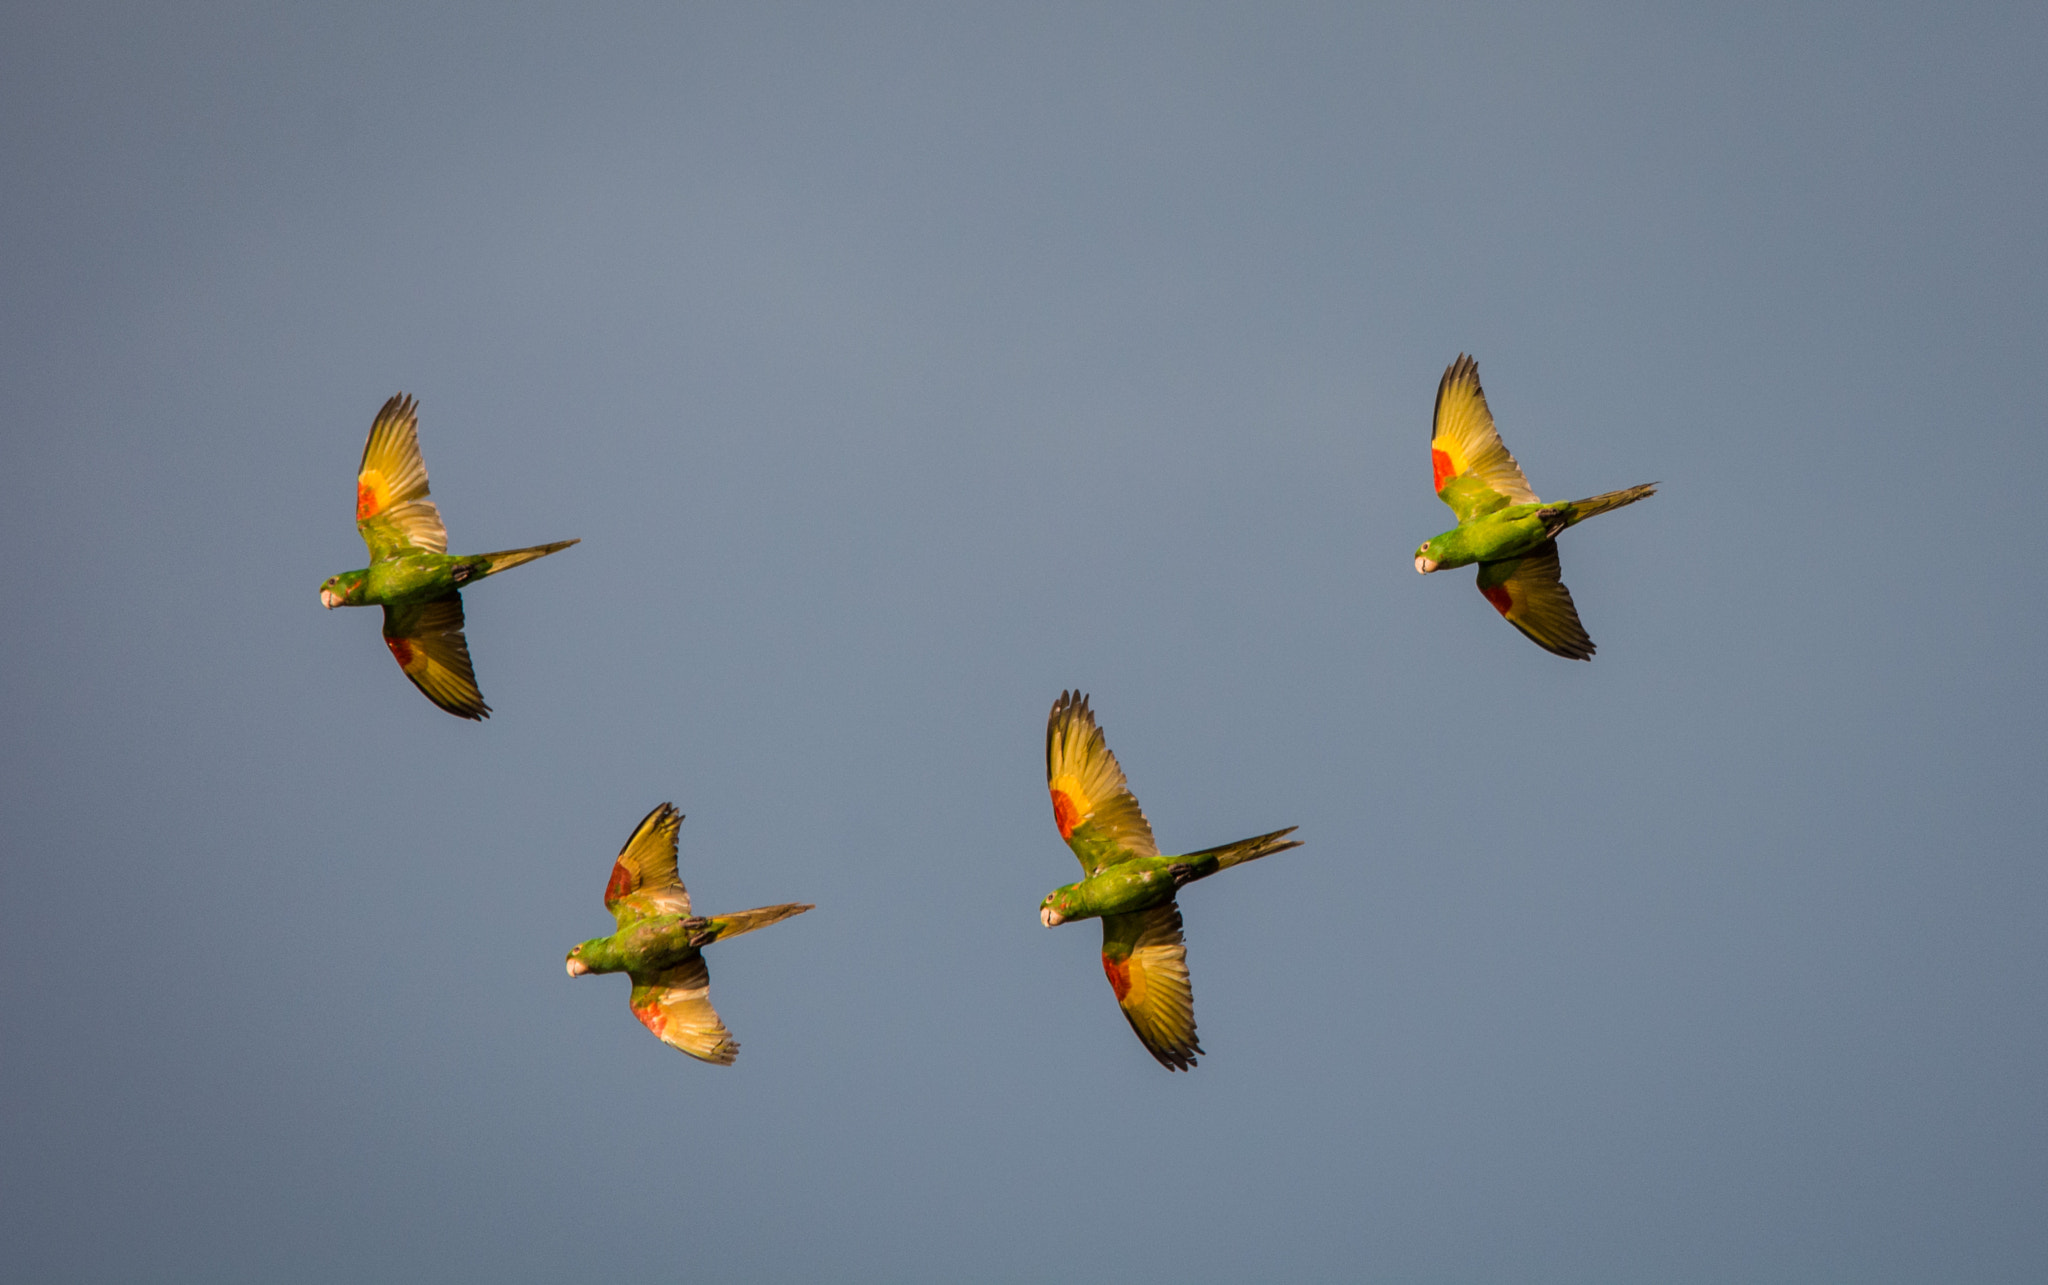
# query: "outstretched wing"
393,512
1529,593
426,640
644,880
675,1004
1095,811
1146,960
1473,470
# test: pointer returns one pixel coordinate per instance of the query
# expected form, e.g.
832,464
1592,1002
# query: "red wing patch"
1064,813
401,651
1440,463
1119,973
1497,594
652,1018
366,502
622,882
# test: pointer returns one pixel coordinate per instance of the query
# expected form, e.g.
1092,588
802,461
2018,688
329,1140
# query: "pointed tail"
746,921
1209,860
507,559
1580,510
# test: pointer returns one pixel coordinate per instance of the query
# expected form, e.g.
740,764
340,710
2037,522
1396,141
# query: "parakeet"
660,944
411,574
1129,884
1502,526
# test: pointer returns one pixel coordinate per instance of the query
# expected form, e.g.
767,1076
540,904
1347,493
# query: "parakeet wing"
1529,593
1146,960
675,1004
426,640
644,880
393,512
1095,811
1474,472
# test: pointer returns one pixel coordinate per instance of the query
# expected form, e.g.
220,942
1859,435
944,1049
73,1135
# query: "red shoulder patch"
1497,594
366,502
1119,973
1064,813
622,882
1440,464
401,651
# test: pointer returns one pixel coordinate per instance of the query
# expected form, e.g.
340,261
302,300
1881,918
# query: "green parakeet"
411,574
660,944
1129,885
1502,526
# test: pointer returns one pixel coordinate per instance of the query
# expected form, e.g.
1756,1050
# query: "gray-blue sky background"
899,366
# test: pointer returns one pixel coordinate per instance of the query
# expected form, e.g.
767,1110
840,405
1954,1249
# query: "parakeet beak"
577,968
329,599
1424,563
1049,917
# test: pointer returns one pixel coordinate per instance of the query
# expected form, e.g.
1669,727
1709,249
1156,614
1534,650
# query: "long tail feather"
506,559
1236,854
746,921
1580,510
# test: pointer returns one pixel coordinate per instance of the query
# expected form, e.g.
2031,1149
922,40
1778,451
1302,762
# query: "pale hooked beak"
577,968
329,599
1049,917
1424,563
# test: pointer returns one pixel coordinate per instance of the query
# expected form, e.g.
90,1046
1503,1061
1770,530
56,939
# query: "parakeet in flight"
411,574
660,944
1502,526
1129,884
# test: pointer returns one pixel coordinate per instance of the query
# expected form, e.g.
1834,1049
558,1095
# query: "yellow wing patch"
1463,443
426,640
1144,955
392,508
1085,781
1529,592
675,1005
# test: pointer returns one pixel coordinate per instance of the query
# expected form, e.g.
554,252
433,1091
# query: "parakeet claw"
699,930
1181,872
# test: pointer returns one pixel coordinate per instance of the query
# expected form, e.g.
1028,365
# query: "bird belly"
396,582
1495,538
1125,889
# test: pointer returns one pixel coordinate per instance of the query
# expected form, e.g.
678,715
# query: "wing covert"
1094,808
427,641
675,1004
1471,466
1145,957
644,879
393,513
1529,592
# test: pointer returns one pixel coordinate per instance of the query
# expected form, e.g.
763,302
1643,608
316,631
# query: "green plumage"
1502,526
411,573
660,943
1138,883
1129,885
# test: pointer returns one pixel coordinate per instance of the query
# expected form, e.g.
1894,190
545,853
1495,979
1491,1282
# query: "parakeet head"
1057,907
343,590
576,965
1426,559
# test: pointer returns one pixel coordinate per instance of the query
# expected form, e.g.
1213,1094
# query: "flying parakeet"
1502,526
411,574
1129,884
660,945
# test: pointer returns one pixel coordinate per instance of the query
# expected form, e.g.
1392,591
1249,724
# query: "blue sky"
900,366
